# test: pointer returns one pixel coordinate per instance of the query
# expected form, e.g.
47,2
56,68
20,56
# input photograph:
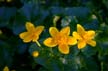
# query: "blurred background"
92,14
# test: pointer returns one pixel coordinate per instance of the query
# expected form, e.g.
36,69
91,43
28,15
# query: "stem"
101,66
38,43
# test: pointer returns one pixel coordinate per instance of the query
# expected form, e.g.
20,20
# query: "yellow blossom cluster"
61,38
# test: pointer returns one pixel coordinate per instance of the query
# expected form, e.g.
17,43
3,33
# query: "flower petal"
29,26
90,34
27,38
65,30
64,49
72,40
76,35
23,35
49,42
39,29
80,29
92,43
81,44
53,31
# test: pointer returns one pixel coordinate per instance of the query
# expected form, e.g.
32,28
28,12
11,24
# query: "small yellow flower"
84,37
32,33
6,68
62,39
35,53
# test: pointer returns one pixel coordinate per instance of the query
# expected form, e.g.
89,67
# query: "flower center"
61,39
86,37
33,35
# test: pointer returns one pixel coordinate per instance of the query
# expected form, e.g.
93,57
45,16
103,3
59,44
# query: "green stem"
38,43
101,66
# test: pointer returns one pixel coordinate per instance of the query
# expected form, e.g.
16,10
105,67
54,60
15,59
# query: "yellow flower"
84,37
32,33
62,39
6,68
35,53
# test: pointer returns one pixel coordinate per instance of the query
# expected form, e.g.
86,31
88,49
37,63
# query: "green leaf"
6,14
89,51
19,24
5,54
88,63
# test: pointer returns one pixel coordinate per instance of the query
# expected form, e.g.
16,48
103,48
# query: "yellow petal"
28,38
92,43
6,68
39,29
29,26
23,35
65,30
53,31
80,29
76,35
81,44
64,49
50,42
90,34
72,40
